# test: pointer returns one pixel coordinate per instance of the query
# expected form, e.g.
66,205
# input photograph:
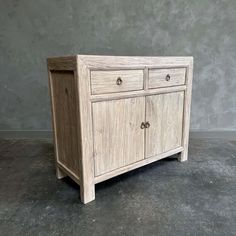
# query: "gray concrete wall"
31,31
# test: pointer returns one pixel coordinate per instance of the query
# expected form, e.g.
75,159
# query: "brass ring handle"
147,124
167,77
142,125
119,81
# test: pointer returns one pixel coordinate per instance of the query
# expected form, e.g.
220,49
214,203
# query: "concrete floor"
166,198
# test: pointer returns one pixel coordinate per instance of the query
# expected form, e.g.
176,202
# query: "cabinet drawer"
116,81
166,77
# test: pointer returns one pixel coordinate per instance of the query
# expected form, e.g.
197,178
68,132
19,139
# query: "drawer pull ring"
119,81
147,125
168,77
142,125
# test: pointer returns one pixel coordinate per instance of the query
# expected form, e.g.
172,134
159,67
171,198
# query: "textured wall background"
30,31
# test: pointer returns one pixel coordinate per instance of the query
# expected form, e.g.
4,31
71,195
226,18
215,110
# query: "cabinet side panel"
65,120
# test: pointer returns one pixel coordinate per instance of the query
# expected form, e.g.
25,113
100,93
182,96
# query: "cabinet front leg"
87,193
183,156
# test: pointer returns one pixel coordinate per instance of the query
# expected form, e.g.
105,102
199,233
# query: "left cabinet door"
118,136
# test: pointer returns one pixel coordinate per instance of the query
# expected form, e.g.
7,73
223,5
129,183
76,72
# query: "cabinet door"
164,112
118,137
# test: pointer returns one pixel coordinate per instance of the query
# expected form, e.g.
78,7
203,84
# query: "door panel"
118,138
164,112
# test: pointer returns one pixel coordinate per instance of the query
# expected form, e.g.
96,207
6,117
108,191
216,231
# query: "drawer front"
166,77
116,81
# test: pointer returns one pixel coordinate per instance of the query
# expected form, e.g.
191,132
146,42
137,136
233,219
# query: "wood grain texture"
106,81
145,76
187,108
141,93
127,62
62,63
164,112
59,172
118,138
87,187
157,77
65,121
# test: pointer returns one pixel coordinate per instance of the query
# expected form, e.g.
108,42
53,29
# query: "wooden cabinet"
115,114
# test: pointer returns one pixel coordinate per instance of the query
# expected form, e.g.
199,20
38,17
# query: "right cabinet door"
164,112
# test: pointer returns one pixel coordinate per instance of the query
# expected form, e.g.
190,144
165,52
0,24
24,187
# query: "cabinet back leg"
183,156
59,173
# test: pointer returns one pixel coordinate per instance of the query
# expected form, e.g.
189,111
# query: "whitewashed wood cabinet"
114,114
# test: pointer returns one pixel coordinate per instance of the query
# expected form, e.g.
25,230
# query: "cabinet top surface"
106,62
93,57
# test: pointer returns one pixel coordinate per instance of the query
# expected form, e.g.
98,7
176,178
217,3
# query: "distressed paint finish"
32,31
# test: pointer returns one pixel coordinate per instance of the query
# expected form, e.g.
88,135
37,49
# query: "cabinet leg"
183,156
59,173
87,193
